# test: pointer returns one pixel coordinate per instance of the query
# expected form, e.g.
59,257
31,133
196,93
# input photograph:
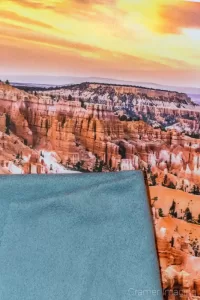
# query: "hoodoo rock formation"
157,107
180,269
113,92
79,132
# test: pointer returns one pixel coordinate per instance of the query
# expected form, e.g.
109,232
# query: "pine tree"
172,208
188,214
78,165
199,218
96,166
154,200
68,162
171,185
160,212
100,167
153,179
165,180
7,131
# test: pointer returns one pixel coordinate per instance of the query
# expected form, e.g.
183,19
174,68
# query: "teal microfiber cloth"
77,237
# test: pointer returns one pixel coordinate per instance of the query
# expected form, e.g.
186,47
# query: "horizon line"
87,77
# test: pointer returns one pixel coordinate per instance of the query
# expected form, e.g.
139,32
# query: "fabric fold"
77,237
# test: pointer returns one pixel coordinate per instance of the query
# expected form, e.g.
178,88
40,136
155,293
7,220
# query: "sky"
140,40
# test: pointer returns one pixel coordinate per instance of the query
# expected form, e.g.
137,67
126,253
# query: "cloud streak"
12,16
183,15
24,36
34,4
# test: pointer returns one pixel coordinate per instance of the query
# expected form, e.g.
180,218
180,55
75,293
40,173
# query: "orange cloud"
31,36
184,14
14,35
57,5
104,2
8,15
32,4
84,9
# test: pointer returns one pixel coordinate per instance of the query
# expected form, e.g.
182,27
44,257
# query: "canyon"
92,134
103,128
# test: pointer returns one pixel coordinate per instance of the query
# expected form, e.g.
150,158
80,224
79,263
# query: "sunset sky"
140,40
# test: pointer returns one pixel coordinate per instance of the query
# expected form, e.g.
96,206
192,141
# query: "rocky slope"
78,134
178,261
122,93
157,107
